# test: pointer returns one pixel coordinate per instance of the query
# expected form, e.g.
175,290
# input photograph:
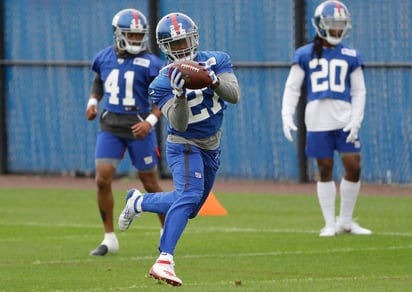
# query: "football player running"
334,112
193,141
127,122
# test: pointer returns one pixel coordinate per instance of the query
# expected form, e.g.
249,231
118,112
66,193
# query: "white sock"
138,204
349,192
165,257
110,240
326,195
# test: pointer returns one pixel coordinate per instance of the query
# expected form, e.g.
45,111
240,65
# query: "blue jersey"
206,108
126,80
329,76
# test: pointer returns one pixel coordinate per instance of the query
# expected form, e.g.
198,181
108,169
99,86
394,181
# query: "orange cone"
212,207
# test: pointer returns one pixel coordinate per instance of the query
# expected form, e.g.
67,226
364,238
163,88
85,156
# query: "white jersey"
335,87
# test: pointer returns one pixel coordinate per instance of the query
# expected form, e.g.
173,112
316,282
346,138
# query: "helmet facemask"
335,29
125,43
180,48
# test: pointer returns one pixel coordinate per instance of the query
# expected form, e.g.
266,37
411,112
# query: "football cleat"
351,227
129,211
164,270
101,250
327,231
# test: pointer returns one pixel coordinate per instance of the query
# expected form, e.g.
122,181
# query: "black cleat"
101,250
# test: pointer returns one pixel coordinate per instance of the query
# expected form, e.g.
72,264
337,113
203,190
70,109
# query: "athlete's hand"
215,80
140,130
353,129
177,82
91,112
212,75
288,127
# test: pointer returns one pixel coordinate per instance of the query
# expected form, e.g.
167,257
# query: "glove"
212,74
353,130
177,82
205,65
289,126
214,78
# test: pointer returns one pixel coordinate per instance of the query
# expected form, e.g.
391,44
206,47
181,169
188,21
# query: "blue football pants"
194,171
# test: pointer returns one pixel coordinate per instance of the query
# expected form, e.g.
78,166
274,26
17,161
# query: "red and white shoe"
164,270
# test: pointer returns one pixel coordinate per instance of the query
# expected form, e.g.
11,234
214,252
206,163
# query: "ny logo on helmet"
180,30
339,12
134,25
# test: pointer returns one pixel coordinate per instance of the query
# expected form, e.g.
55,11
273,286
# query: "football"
195,76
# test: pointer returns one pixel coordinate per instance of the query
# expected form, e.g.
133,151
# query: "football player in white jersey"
333,74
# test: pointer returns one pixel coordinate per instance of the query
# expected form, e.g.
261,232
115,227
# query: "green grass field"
268,242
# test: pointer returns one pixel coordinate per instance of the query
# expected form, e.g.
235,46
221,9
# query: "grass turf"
265,243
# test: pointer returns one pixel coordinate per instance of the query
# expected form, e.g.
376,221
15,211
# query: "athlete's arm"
97,87
142,128
176,111
358,97
228,88
96,94
358,94
291,93
290,99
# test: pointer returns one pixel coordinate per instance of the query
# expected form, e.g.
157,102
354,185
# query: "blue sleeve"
157,65
220,61
302,56
95,64
359,60
224,64
160,90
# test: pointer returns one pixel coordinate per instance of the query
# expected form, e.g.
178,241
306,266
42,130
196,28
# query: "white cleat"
129,211
327,231
164,270
351,227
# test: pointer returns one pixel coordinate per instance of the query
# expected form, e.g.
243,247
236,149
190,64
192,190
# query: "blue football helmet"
332,21
130,21
177,37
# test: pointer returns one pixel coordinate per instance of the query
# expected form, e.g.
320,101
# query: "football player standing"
127,122
333,74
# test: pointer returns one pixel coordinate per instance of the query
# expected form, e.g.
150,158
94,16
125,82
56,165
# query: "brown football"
195,76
